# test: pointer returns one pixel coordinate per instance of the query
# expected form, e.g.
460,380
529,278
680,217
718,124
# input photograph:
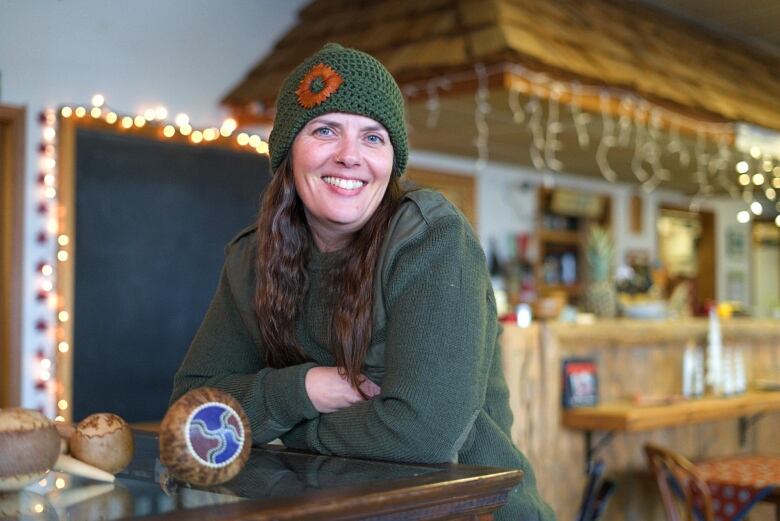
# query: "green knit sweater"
434,352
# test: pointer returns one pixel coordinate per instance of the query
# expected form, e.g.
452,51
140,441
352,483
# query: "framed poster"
735,243
580,382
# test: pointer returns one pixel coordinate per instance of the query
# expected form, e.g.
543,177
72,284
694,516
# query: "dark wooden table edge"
468,490
476,495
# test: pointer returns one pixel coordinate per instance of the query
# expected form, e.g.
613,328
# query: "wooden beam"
66,189
12,139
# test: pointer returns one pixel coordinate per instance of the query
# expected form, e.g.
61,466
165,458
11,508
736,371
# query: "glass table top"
145,487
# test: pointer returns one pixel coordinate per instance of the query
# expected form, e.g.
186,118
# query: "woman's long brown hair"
282,281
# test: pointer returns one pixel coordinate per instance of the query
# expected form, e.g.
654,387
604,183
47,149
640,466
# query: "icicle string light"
554,128
534,108
482,102
581,119
651,129
608,140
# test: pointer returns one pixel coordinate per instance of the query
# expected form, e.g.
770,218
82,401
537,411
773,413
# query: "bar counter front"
276,483
638,362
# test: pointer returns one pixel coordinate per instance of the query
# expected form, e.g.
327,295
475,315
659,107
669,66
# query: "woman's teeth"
346,184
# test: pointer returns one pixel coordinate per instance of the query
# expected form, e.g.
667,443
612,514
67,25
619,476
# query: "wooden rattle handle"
73,466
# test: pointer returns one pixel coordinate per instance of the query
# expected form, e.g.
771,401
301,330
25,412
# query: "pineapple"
600,298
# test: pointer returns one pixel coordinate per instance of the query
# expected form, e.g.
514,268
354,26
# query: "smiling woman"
356,319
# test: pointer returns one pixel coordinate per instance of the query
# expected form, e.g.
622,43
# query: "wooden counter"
628,417
633,357
630,333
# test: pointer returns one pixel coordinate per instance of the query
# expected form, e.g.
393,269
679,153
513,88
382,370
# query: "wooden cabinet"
564,217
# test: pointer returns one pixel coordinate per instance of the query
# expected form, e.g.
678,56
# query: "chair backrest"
683,491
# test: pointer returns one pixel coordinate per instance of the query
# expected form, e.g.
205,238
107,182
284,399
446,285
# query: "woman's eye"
375,139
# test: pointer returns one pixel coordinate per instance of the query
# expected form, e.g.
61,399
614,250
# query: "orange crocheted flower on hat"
317,86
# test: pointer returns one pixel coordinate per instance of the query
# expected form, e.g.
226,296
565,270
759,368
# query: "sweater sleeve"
439,348
223,355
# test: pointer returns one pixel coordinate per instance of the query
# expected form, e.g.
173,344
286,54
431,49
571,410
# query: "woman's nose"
348,154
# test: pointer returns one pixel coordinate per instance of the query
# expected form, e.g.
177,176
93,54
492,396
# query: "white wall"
182,54
728,262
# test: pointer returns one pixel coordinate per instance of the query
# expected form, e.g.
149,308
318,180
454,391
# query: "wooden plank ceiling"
609,43
603,42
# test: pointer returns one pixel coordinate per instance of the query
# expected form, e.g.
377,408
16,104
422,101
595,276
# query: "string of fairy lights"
158,116
47,297
638,125
52,315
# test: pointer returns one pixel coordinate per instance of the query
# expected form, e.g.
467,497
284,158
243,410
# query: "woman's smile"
346,186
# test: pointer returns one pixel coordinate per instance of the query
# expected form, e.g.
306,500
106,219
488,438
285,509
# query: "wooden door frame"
751,248
12,139
707,284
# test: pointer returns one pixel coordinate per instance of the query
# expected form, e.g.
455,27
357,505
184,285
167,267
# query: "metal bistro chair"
683,491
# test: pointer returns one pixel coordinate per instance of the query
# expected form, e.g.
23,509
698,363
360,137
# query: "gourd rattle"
205,437
103,440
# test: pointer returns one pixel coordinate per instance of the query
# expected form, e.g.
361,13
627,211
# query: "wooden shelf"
562,233
560,236
627,417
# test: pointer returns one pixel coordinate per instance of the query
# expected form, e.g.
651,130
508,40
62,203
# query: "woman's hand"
329,391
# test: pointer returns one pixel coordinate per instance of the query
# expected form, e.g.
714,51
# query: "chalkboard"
152,220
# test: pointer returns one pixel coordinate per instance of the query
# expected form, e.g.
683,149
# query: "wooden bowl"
29,447
546,308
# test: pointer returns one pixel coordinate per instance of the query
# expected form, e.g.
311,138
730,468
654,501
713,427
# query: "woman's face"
342,165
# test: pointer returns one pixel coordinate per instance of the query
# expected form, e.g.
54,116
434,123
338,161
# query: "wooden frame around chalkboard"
67,128
12,138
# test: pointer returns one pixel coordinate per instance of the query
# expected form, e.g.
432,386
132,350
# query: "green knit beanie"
338,79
